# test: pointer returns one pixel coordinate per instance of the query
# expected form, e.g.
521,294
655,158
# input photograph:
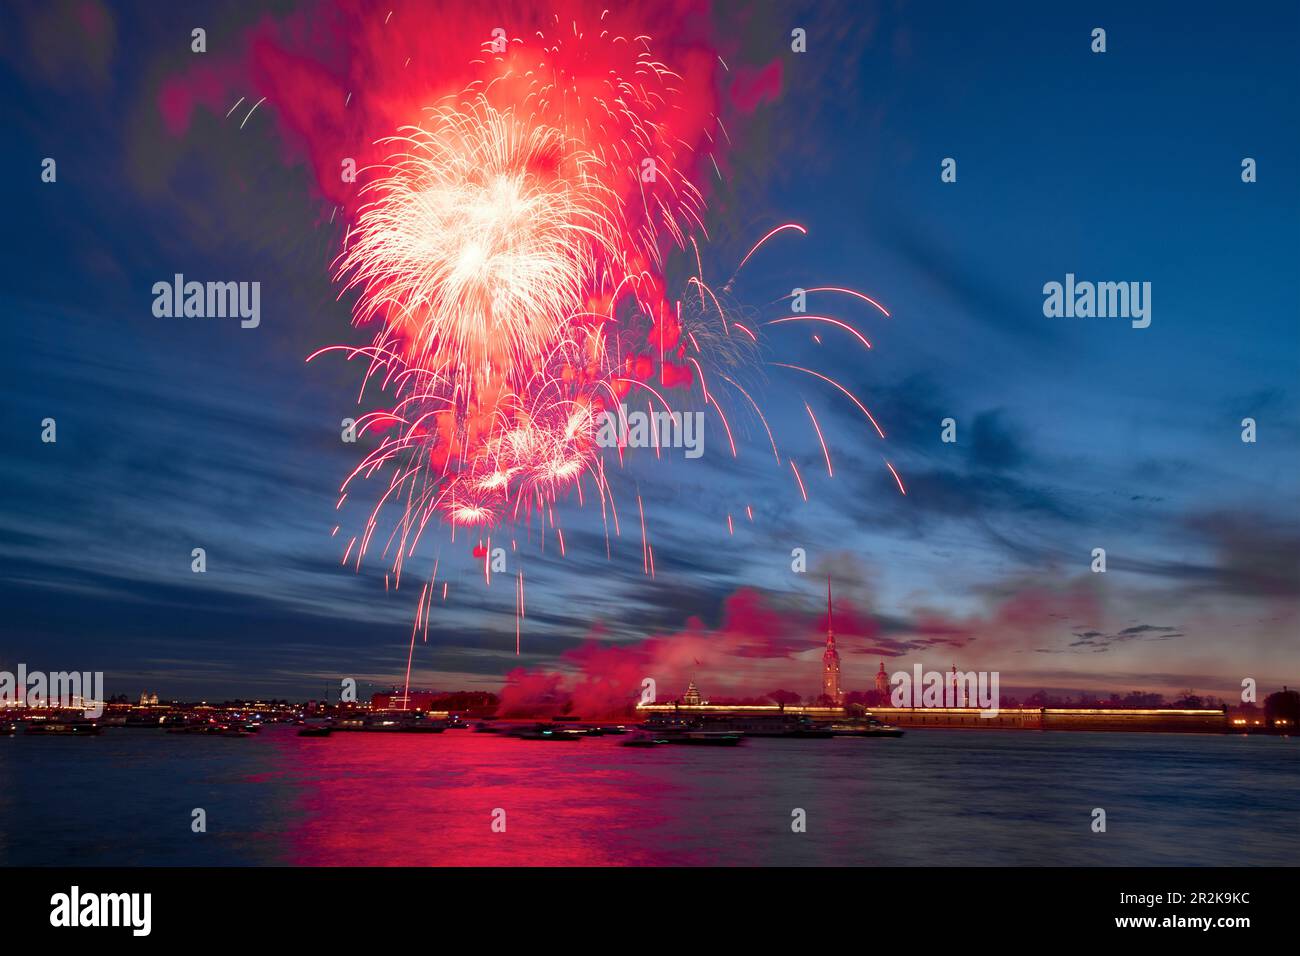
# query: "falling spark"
896,478
250,112
822,318
797,477
830,472
853,398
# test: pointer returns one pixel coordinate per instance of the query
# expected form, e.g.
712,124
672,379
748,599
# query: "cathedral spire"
831,657
830,633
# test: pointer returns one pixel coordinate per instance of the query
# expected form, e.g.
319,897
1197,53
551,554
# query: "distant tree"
1282,706
1188,699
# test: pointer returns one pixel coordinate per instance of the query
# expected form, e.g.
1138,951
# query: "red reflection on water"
382,799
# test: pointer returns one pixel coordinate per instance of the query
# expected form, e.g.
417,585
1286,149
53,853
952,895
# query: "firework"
478,246
494,253
510,255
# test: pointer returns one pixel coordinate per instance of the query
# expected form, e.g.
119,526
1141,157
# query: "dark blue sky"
1073,433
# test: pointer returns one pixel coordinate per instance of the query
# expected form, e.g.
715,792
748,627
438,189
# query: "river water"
933,797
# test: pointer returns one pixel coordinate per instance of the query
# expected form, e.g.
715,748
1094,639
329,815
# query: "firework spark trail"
830,472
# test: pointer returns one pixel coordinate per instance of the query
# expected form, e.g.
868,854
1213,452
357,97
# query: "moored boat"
62,727
748,725
869,728
548,732
203,727
644,738
406,722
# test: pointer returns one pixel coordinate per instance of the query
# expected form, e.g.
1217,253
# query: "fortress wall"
1163,721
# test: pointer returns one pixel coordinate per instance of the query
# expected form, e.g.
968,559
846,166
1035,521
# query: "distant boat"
196,728
144,720
549,732
392,722
748,725
605,730
644,738
63,727
685,737
320,731
871,728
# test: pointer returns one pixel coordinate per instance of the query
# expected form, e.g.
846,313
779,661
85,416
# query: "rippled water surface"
931,797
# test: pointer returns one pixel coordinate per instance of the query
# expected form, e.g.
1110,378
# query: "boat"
644,738
150,719
690,735
406,722
549,732
748,725
196,728
869,728
63,727
319,731
422,725
605,730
